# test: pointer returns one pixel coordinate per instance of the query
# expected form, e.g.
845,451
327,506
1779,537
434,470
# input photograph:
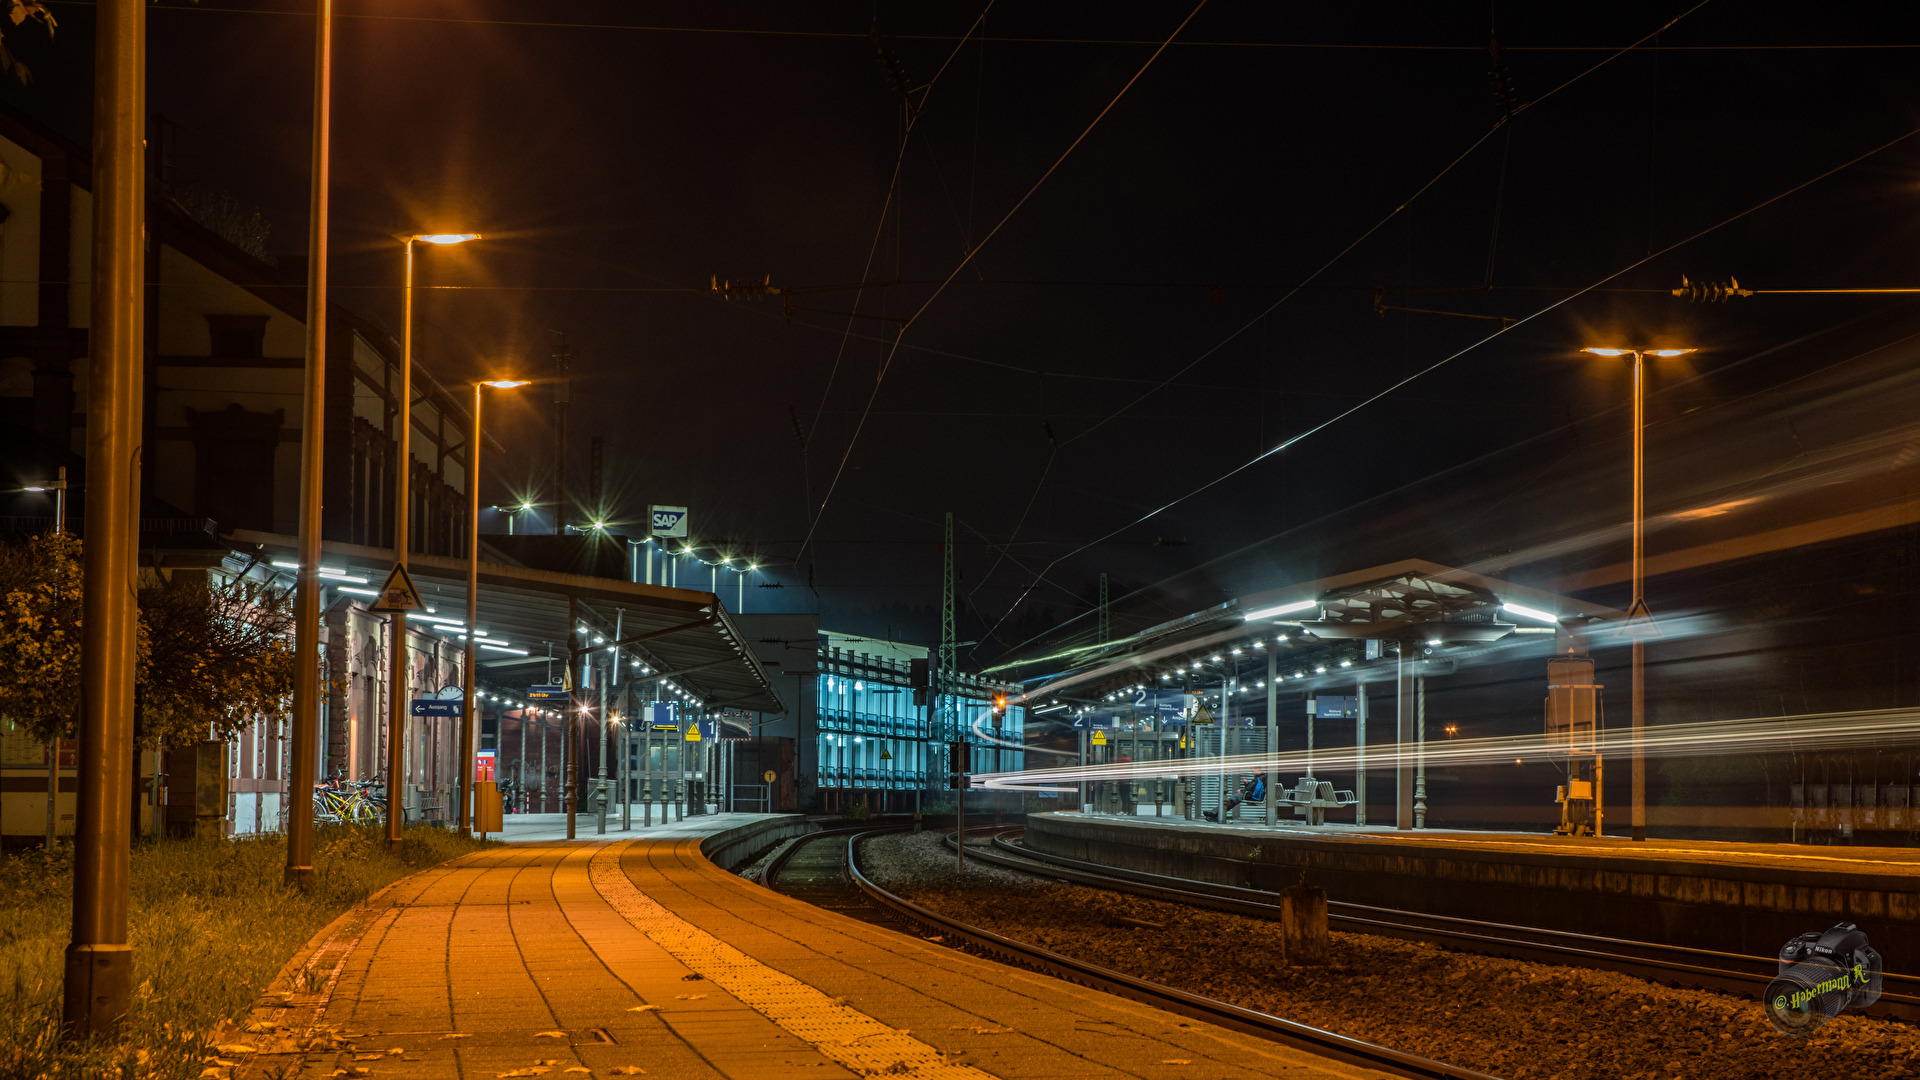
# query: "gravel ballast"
1512,1018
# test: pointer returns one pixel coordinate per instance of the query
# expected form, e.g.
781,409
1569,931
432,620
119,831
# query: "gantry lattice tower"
948,660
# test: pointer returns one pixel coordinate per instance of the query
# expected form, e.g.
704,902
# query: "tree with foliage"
222,657
40,635
212,657
19,11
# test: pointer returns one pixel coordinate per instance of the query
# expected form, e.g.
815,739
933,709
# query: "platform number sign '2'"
670,521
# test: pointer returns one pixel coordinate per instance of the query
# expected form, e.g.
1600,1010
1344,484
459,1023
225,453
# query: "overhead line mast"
949,650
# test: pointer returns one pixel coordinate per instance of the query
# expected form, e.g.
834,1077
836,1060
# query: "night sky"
1104,354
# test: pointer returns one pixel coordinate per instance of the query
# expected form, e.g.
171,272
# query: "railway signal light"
920,678
958,762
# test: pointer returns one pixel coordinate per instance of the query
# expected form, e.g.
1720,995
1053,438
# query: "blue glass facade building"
871,736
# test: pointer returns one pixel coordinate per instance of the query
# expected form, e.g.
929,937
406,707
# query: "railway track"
1680,965
824,869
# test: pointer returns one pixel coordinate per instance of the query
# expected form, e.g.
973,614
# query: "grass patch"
211,925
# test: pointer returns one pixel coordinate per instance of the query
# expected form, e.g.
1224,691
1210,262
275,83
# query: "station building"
223,404
856,731
872,737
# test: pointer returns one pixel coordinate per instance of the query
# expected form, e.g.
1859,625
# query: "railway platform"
641,956
1739,898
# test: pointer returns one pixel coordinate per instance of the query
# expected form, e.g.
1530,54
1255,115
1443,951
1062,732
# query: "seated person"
1253,789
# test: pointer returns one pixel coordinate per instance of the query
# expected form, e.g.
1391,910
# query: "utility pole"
306,601
562,397
569,733
99,959
949,650
1273,737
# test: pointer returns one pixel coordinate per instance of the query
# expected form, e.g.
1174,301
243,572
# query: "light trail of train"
1757,735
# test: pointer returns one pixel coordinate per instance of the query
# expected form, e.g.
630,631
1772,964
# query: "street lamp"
1638,610
513,512
465,786
58,486
403,450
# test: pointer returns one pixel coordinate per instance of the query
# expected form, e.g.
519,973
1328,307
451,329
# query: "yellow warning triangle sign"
1099,738
1640,624
1202,716
693,732
398,594
884,755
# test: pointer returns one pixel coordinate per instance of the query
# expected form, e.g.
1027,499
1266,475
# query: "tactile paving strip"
842,1034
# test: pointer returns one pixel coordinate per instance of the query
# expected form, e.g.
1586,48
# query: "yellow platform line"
844,1035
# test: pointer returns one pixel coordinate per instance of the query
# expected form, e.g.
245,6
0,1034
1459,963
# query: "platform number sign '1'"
670,521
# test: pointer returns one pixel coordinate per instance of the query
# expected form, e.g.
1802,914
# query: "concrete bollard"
1303,924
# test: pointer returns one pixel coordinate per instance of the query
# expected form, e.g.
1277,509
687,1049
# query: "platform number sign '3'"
670,521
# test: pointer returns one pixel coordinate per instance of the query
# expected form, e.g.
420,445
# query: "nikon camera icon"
1820,974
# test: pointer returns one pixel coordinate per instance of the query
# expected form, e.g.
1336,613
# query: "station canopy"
681,634
1317,627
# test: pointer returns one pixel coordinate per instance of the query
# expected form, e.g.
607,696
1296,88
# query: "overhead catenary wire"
968,258
873,249
1449,358
1512,110
1505,121
728,31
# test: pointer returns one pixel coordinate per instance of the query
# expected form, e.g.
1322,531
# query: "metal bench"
1311,799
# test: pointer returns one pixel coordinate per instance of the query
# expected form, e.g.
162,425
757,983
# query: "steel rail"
1506,939
1224,1014
770,876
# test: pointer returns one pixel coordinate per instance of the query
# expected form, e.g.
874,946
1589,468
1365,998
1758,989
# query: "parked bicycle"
349,802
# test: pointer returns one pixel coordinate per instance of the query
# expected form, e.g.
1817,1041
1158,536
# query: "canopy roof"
1413,601
682,634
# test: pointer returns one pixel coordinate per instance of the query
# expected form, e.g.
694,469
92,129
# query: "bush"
211,924
856,812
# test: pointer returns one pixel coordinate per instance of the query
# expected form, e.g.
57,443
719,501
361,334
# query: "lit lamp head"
503,384
445,238
1642,352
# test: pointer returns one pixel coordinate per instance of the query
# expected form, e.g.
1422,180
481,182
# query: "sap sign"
670,521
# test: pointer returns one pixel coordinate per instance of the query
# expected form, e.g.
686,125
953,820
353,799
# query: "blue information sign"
436,707
1335,707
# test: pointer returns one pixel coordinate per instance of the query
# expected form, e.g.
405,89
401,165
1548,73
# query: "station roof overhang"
684,635
1414,602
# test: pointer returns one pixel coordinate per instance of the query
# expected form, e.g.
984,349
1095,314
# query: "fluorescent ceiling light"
504,649
357,592
1531,613
1283,609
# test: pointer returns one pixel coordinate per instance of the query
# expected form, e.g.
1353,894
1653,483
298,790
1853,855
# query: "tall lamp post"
402,460
306,598
1638,610
465,787
99,957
